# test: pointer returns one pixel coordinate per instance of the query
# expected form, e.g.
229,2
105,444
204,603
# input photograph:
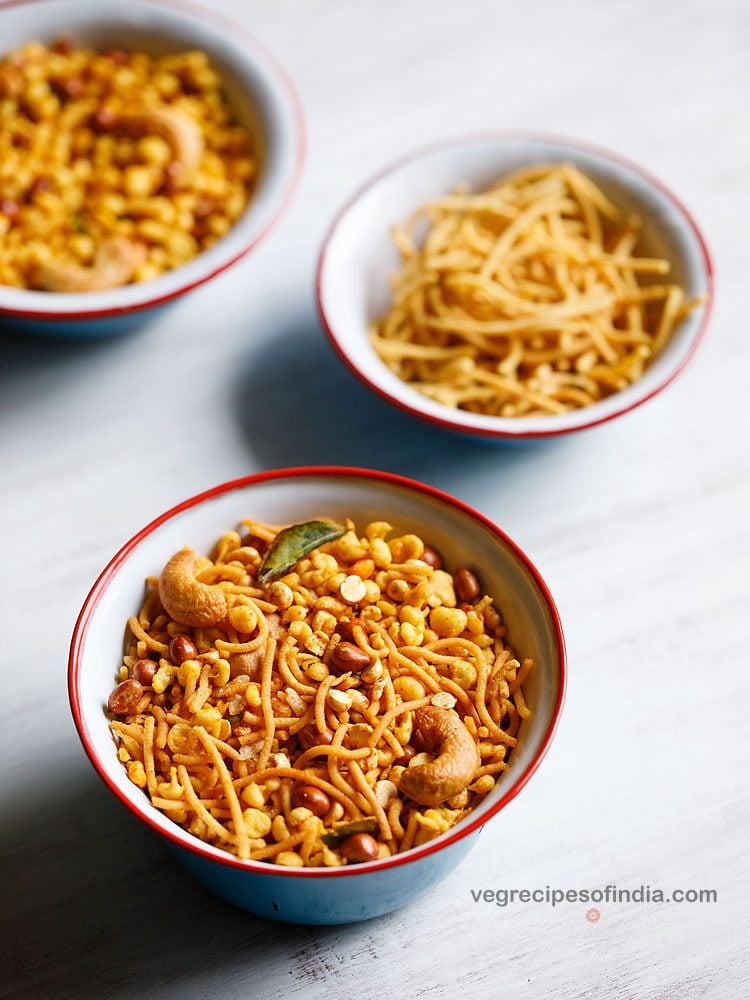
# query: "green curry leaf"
344,830
291,544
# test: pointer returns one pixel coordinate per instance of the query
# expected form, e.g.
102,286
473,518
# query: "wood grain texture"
640,528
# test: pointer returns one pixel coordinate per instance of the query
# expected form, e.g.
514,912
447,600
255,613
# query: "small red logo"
593,915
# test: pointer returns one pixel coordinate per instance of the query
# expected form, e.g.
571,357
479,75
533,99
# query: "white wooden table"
640,528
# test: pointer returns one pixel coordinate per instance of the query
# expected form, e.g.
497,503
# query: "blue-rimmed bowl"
261,97
358,256
463,536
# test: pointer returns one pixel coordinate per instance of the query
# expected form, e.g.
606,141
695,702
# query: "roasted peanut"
443,699
353,589
312,798
466,584
144,670
182,648
385,790
346,630
348,657
125,697
431,557
358,848
457,758
310,737
339,701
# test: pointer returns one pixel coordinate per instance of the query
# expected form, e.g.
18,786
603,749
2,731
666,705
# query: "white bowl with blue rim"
262,99
358,256
460,534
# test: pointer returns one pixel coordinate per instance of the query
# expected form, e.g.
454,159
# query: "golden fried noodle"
528,299
357,706
114,166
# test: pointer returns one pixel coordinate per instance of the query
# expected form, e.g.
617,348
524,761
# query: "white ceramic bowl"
358,256
260,94
463,537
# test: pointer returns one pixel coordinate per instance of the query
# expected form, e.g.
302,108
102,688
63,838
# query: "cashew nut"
185,599
456,763
182,133
114,265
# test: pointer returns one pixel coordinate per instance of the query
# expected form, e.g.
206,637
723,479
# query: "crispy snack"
359,705
528,299
114,166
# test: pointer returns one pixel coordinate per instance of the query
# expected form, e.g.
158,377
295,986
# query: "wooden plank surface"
640,528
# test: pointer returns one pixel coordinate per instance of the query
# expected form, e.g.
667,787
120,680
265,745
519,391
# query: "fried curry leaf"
291,544
344,830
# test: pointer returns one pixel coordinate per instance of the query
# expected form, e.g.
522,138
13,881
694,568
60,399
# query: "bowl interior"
460,537
255,87
360,257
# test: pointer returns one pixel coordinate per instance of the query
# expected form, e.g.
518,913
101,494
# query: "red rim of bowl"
457,425
185,840
285,84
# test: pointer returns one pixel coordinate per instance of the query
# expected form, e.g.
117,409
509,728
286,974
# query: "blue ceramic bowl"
358,255
356,892
262,98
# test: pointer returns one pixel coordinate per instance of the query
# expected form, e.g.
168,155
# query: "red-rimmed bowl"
358,256
463,536
261,97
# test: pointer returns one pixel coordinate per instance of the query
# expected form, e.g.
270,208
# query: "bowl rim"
506,433
280,80
192,844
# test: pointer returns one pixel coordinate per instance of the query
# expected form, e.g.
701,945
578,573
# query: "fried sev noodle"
527,299
214,742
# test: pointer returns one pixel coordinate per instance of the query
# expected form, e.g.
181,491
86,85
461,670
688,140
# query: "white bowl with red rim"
460,534
358,256
261,97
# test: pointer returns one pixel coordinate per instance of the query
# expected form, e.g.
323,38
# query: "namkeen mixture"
528,299
311,697
114,166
